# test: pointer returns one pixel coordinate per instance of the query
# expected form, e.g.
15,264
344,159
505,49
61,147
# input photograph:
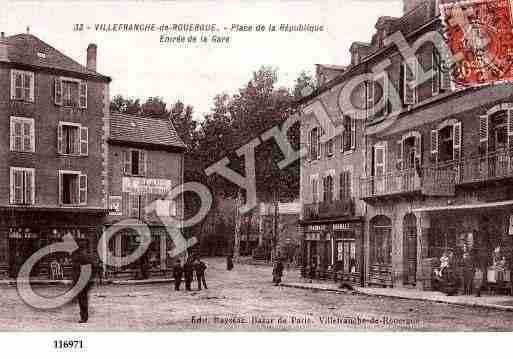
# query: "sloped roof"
26,49
143,130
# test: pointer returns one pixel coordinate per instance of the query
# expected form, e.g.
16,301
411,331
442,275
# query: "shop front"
25,231
473,243
333,251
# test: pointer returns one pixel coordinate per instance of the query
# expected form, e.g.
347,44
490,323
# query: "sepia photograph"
255,166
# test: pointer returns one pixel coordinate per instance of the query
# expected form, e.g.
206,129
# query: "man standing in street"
188,270
80,258
177,274
200,267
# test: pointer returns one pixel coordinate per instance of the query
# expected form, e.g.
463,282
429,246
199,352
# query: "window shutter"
457,141
13,86
28,93
418,149
11,185
483,133
510,130
27,136
353,133
32,87
29,187
82,100
435,89
82,189
18,186
310,145
127,162
318,144
32,137
58,92
11,137
142,163
400,155
434,145
60,188
59,139
445,76
84,141
409,77
370,89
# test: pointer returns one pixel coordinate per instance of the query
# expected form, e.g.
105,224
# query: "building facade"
53,168
146,159
431,167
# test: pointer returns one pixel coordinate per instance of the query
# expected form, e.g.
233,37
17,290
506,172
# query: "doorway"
410,249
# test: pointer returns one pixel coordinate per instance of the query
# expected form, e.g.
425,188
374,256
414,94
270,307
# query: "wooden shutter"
27,136
60,188
418,149
28,86
483,133
59,139
58,92
84,141
16,135
353,133
445,75
318,144
457,141
142,163
400,155
127,154
29,187
434,145
510,130
435,88
82,188
13,86
18,186
409,78
369,100
82,99
348,184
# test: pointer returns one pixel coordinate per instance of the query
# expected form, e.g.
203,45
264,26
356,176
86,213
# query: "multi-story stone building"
431,170
53,174
146,159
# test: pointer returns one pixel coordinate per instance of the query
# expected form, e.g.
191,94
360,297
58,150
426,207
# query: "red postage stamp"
479,37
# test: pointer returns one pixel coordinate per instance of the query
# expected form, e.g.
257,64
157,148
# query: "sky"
140,66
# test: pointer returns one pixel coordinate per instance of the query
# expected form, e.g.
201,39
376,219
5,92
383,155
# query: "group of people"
187,271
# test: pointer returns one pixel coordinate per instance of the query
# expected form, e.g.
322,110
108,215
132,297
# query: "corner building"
53,179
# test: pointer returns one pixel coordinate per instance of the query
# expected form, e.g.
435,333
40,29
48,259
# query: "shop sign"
136,185
342,227
115,206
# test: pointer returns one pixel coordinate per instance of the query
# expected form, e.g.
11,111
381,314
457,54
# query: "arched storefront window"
381,240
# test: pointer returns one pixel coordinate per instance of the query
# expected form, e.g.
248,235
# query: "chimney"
91,57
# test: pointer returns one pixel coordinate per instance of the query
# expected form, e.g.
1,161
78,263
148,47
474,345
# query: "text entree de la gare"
207,27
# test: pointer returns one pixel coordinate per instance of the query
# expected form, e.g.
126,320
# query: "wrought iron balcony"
440,179
394,183
330,209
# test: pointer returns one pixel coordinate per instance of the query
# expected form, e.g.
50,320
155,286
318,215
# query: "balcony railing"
326,210
441,179
390,184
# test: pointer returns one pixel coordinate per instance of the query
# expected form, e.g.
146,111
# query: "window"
70,92
328,189
346,255
22,134
441,80
72,188
409,78
381,241
349,134
329,148
22,85
314,141
315,191
72,139
345,185
22,185
446,141
498,131
135,162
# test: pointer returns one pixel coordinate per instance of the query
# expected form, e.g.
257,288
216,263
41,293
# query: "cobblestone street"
243,299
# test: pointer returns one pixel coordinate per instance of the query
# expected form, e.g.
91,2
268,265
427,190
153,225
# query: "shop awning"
465,207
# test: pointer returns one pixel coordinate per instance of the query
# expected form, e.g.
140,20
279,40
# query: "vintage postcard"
335,166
